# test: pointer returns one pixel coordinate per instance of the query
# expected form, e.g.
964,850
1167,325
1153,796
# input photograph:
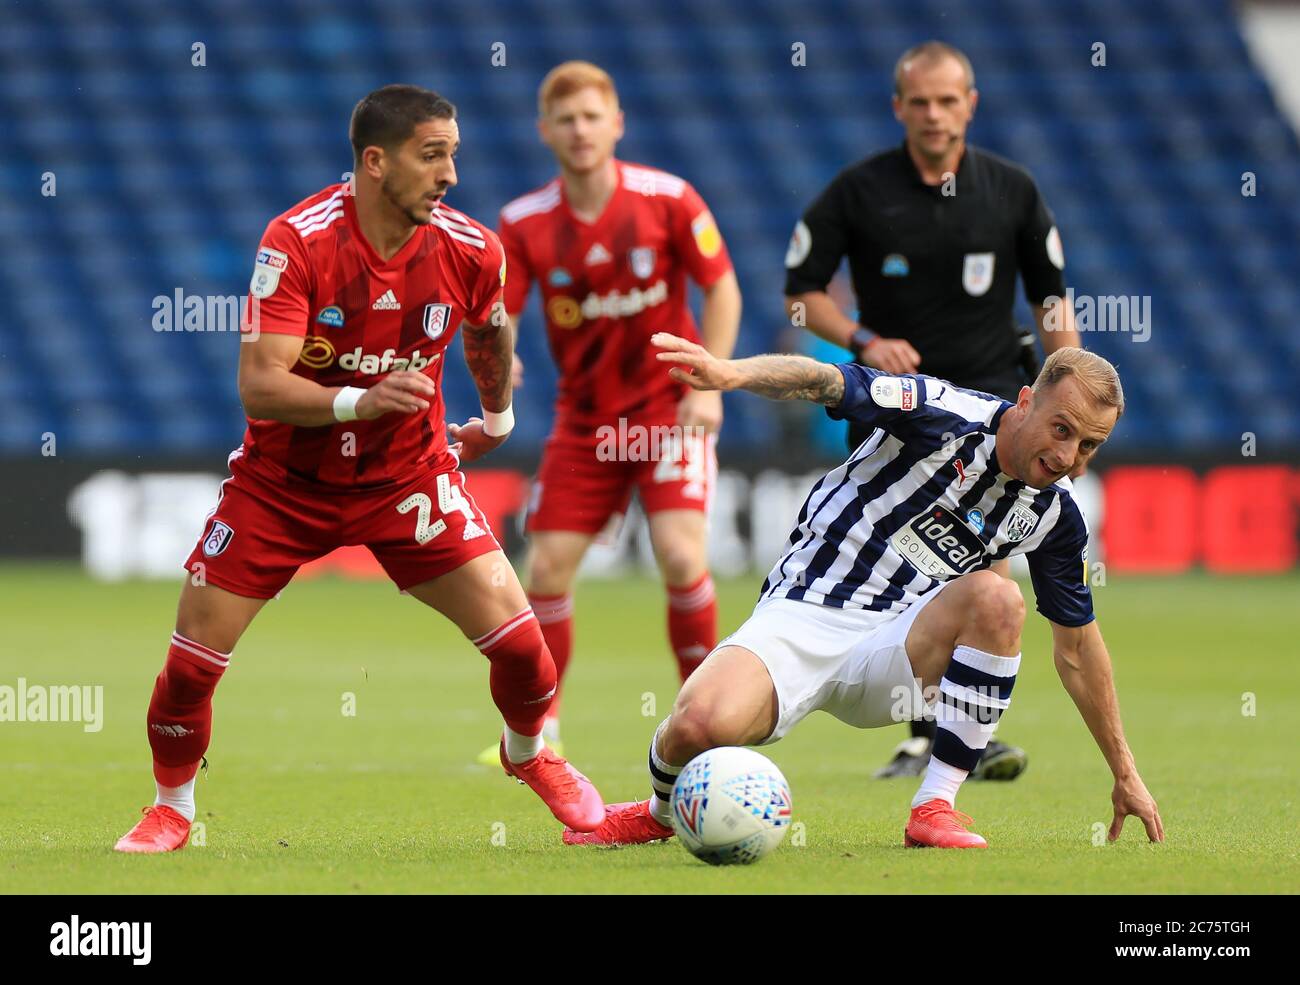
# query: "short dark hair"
387,117
931,51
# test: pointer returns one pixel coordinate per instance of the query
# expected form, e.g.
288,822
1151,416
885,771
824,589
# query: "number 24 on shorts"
450,500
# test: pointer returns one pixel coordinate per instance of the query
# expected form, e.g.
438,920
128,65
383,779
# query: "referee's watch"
859,340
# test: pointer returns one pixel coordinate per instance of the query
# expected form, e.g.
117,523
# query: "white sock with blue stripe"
973,694
663,776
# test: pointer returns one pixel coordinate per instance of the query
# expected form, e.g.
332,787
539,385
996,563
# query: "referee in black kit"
935,232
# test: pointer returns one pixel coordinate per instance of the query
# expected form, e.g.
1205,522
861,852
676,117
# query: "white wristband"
498,425
345,403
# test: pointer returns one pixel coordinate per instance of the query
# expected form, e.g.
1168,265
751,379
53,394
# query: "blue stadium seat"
167,174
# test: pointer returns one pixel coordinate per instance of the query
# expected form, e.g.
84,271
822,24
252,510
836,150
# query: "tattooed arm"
489,352
774,377
791,378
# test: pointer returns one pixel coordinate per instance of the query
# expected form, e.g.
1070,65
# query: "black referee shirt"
938,270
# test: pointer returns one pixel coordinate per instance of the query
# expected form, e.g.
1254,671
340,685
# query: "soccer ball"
731,806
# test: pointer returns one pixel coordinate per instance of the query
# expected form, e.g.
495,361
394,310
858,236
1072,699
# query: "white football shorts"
851,663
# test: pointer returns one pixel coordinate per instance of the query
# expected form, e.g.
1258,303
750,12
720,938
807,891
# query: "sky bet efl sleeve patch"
894,392
707,238
266,272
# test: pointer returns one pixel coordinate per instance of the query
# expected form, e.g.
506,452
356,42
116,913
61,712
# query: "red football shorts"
587,478
264,529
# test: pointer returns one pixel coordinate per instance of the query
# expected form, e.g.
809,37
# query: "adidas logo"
387,302
545,697
597,254
175,731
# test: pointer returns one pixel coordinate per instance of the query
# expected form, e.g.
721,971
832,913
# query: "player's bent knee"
698,726
552,567
681,561
214,617
683,570
997,607
704,722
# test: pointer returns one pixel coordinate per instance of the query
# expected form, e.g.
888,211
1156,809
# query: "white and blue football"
731,806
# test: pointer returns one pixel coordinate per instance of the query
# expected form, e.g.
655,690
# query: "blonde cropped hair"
1095,375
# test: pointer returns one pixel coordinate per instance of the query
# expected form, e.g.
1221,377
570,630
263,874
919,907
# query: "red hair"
570,77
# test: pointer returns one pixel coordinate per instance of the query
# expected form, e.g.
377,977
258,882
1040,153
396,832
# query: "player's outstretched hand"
703,370
1131,797
403,391
891,355
470,440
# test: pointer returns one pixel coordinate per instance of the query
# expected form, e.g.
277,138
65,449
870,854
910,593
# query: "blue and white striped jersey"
922,500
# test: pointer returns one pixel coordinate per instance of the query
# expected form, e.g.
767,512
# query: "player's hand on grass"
471,441
1130,796
701,409
891,355
403,391
695,365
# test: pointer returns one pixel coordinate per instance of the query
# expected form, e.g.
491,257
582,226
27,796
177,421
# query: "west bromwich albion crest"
436,317
1021,522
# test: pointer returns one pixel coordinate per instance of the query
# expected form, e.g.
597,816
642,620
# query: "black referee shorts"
1005,385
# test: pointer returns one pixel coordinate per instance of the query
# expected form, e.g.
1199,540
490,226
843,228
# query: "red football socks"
180,712
692,623
555,615
523,674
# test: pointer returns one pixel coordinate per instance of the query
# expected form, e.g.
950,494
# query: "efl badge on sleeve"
894,392
436,317
800,245
707,238
1055,252
977,273
266,272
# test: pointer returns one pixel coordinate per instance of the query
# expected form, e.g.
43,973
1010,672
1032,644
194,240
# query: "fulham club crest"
642,261
218,540
436,317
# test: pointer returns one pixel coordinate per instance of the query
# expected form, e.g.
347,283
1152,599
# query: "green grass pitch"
300,797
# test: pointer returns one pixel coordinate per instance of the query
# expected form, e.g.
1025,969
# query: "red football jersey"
607,286
318,277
